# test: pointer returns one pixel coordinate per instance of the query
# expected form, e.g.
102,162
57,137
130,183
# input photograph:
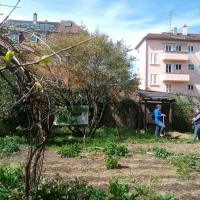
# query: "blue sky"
129,20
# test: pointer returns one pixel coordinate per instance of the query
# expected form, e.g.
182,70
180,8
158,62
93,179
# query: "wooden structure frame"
147,101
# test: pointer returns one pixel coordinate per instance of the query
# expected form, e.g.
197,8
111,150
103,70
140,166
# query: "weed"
119,191
10,178
69,151
117,150
161,152
112,162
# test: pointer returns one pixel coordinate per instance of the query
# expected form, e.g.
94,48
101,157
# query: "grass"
105,136
184,163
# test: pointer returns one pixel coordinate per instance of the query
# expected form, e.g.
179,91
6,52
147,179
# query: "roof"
156,96
170,37
29,21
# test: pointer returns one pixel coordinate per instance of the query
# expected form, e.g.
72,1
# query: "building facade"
170,62
40,28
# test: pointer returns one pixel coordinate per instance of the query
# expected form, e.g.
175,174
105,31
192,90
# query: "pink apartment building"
170,62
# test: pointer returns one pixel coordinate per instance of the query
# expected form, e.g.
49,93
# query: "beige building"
170,62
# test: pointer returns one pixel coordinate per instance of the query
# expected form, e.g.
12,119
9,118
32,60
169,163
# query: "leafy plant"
9,145
166,197
10,179
117,150
185,164
161,152
70,190
112,162
119,191
70,151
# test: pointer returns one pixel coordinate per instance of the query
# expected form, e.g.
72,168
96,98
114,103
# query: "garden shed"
147,100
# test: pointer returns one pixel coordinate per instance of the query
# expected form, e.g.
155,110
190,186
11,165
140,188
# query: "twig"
60,51
14,7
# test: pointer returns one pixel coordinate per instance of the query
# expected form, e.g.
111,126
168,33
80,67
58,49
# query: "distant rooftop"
65,25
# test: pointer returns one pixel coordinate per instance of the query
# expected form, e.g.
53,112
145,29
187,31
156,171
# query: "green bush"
10,179
72,190
182,114
161,152
119,191
9,145
70,151
112,162
117,150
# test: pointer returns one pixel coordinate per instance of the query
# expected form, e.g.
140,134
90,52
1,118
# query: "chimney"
174,31
185,30
35,18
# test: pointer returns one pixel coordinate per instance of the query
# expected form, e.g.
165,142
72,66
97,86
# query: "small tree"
102,68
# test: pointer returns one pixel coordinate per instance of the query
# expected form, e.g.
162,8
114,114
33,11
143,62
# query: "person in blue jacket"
158,120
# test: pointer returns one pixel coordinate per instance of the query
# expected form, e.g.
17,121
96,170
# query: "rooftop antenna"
170,20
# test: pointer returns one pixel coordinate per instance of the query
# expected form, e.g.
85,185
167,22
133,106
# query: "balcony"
175,56
176,77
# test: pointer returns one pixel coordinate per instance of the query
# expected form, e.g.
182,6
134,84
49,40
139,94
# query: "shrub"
9,145
10,179
161,152
117,150
182,114
112,162
71,190
119,191
69,151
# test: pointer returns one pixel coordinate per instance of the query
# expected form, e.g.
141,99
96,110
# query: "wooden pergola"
147,102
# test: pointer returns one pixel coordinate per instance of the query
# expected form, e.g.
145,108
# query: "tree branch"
60,51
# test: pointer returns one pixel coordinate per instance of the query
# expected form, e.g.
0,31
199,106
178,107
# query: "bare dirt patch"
145,169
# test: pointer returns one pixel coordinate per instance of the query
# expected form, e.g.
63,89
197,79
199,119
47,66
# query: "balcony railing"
176,77
175,56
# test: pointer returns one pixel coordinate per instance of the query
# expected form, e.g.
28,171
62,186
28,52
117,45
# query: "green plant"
112,162
68,190
161,152
9,145
118,150
119,191
185,164
166,197
70,151
10,179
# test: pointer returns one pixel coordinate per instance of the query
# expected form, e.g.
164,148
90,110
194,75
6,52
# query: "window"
178,67
154,58
14,37
190,48
168,88
173,47
178,48
153,79
68,24
168,47
168,68
190,67
190,87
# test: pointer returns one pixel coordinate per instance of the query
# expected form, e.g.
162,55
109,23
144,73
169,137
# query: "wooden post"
145,116
170,116
139,116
